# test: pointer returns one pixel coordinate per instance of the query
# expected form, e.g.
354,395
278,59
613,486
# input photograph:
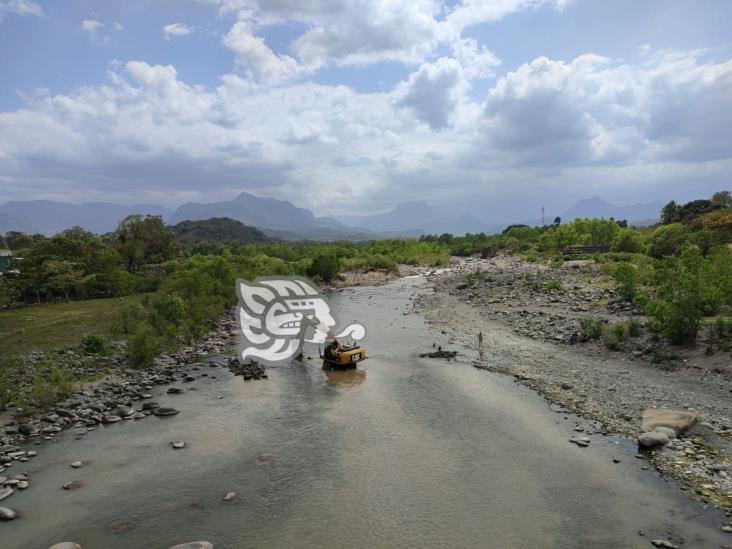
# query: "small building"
6,260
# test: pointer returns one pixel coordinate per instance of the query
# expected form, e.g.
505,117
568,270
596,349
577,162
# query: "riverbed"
403,452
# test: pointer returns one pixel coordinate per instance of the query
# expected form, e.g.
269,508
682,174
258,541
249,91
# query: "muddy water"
406,452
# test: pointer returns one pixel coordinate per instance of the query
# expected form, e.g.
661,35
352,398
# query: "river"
404,452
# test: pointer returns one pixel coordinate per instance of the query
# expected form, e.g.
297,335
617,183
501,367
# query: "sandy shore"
527,332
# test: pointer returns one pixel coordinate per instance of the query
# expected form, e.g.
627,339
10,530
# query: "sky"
493,108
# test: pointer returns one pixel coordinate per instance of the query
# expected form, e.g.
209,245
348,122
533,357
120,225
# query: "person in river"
480,340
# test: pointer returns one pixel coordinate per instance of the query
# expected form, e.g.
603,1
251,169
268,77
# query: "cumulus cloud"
176,29
255,57
432,92
157,137
20,7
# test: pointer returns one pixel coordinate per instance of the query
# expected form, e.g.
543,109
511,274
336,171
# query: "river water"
404,452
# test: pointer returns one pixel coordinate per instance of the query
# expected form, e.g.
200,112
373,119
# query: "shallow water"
404,452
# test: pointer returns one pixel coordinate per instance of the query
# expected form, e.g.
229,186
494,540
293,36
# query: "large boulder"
651,439
679,421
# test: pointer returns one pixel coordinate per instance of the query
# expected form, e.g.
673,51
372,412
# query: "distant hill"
12,222
51,217
417,217
263,213
218,229
599,207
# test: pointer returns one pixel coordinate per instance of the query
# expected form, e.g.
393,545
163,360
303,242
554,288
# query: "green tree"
141,240
326,266
627,240
626,275
670,213
722,199
666,240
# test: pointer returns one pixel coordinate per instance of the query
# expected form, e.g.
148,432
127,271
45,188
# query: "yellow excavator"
336,355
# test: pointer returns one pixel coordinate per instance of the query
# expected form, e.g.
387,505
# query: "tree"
76,232
141,240
670,213
326,266
557,220
62,277
627,240
666,240
722,199
3,244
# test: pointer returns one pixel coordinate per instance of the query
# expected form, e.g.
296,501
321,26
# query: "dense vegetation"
678,272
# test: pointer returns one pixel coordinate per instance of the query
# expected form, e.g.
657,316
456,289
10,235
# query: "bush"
95,344
51,386
668,240
10,367
325,266
614,338
626,275
553,284
590,328
635,327
628,241
143,346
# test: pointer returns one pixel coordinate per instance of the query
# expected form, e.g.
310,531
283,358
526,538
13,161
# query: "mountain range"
283,220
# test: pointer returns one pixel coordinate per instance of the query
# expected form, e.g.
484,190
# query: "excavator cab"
336,355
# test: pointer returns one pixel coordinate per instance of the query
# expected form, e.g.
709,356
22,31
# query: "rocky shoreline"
528,314
120,394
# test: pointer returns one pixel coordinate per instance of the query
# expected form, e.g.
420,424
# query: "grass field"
44,327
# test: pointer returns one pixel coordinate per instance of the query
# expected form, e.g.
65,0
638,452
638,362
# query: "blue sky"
487,107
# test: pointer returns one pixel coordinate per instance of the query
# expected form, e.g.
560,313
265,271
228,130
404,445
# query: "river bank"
408,451
528,325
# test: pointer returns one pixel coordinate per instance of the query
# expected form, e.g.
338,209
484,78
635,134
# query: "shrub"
51,386
612,340
590,328
635,327
143,346
627,240
668,240
626,275
325,266
553,284
95,344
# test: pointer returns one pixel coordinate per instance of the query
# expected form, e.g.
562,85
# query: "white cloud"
256,58
95,30
20,7
548,121
176,29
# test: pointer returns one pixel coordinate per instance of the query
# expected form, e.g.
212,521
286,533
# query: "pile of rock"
659,427
248,370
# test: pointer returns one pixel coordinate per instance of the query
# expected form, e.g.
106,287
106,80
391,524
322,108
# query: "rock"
77,464
230,496
151,405
5,493
194,545
174,391
111,419
567,386
178,444
670,433
72,485
663,543
66,545
581,441
7,514
652,439
727,528
679,421
22,484
165,411
123,411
